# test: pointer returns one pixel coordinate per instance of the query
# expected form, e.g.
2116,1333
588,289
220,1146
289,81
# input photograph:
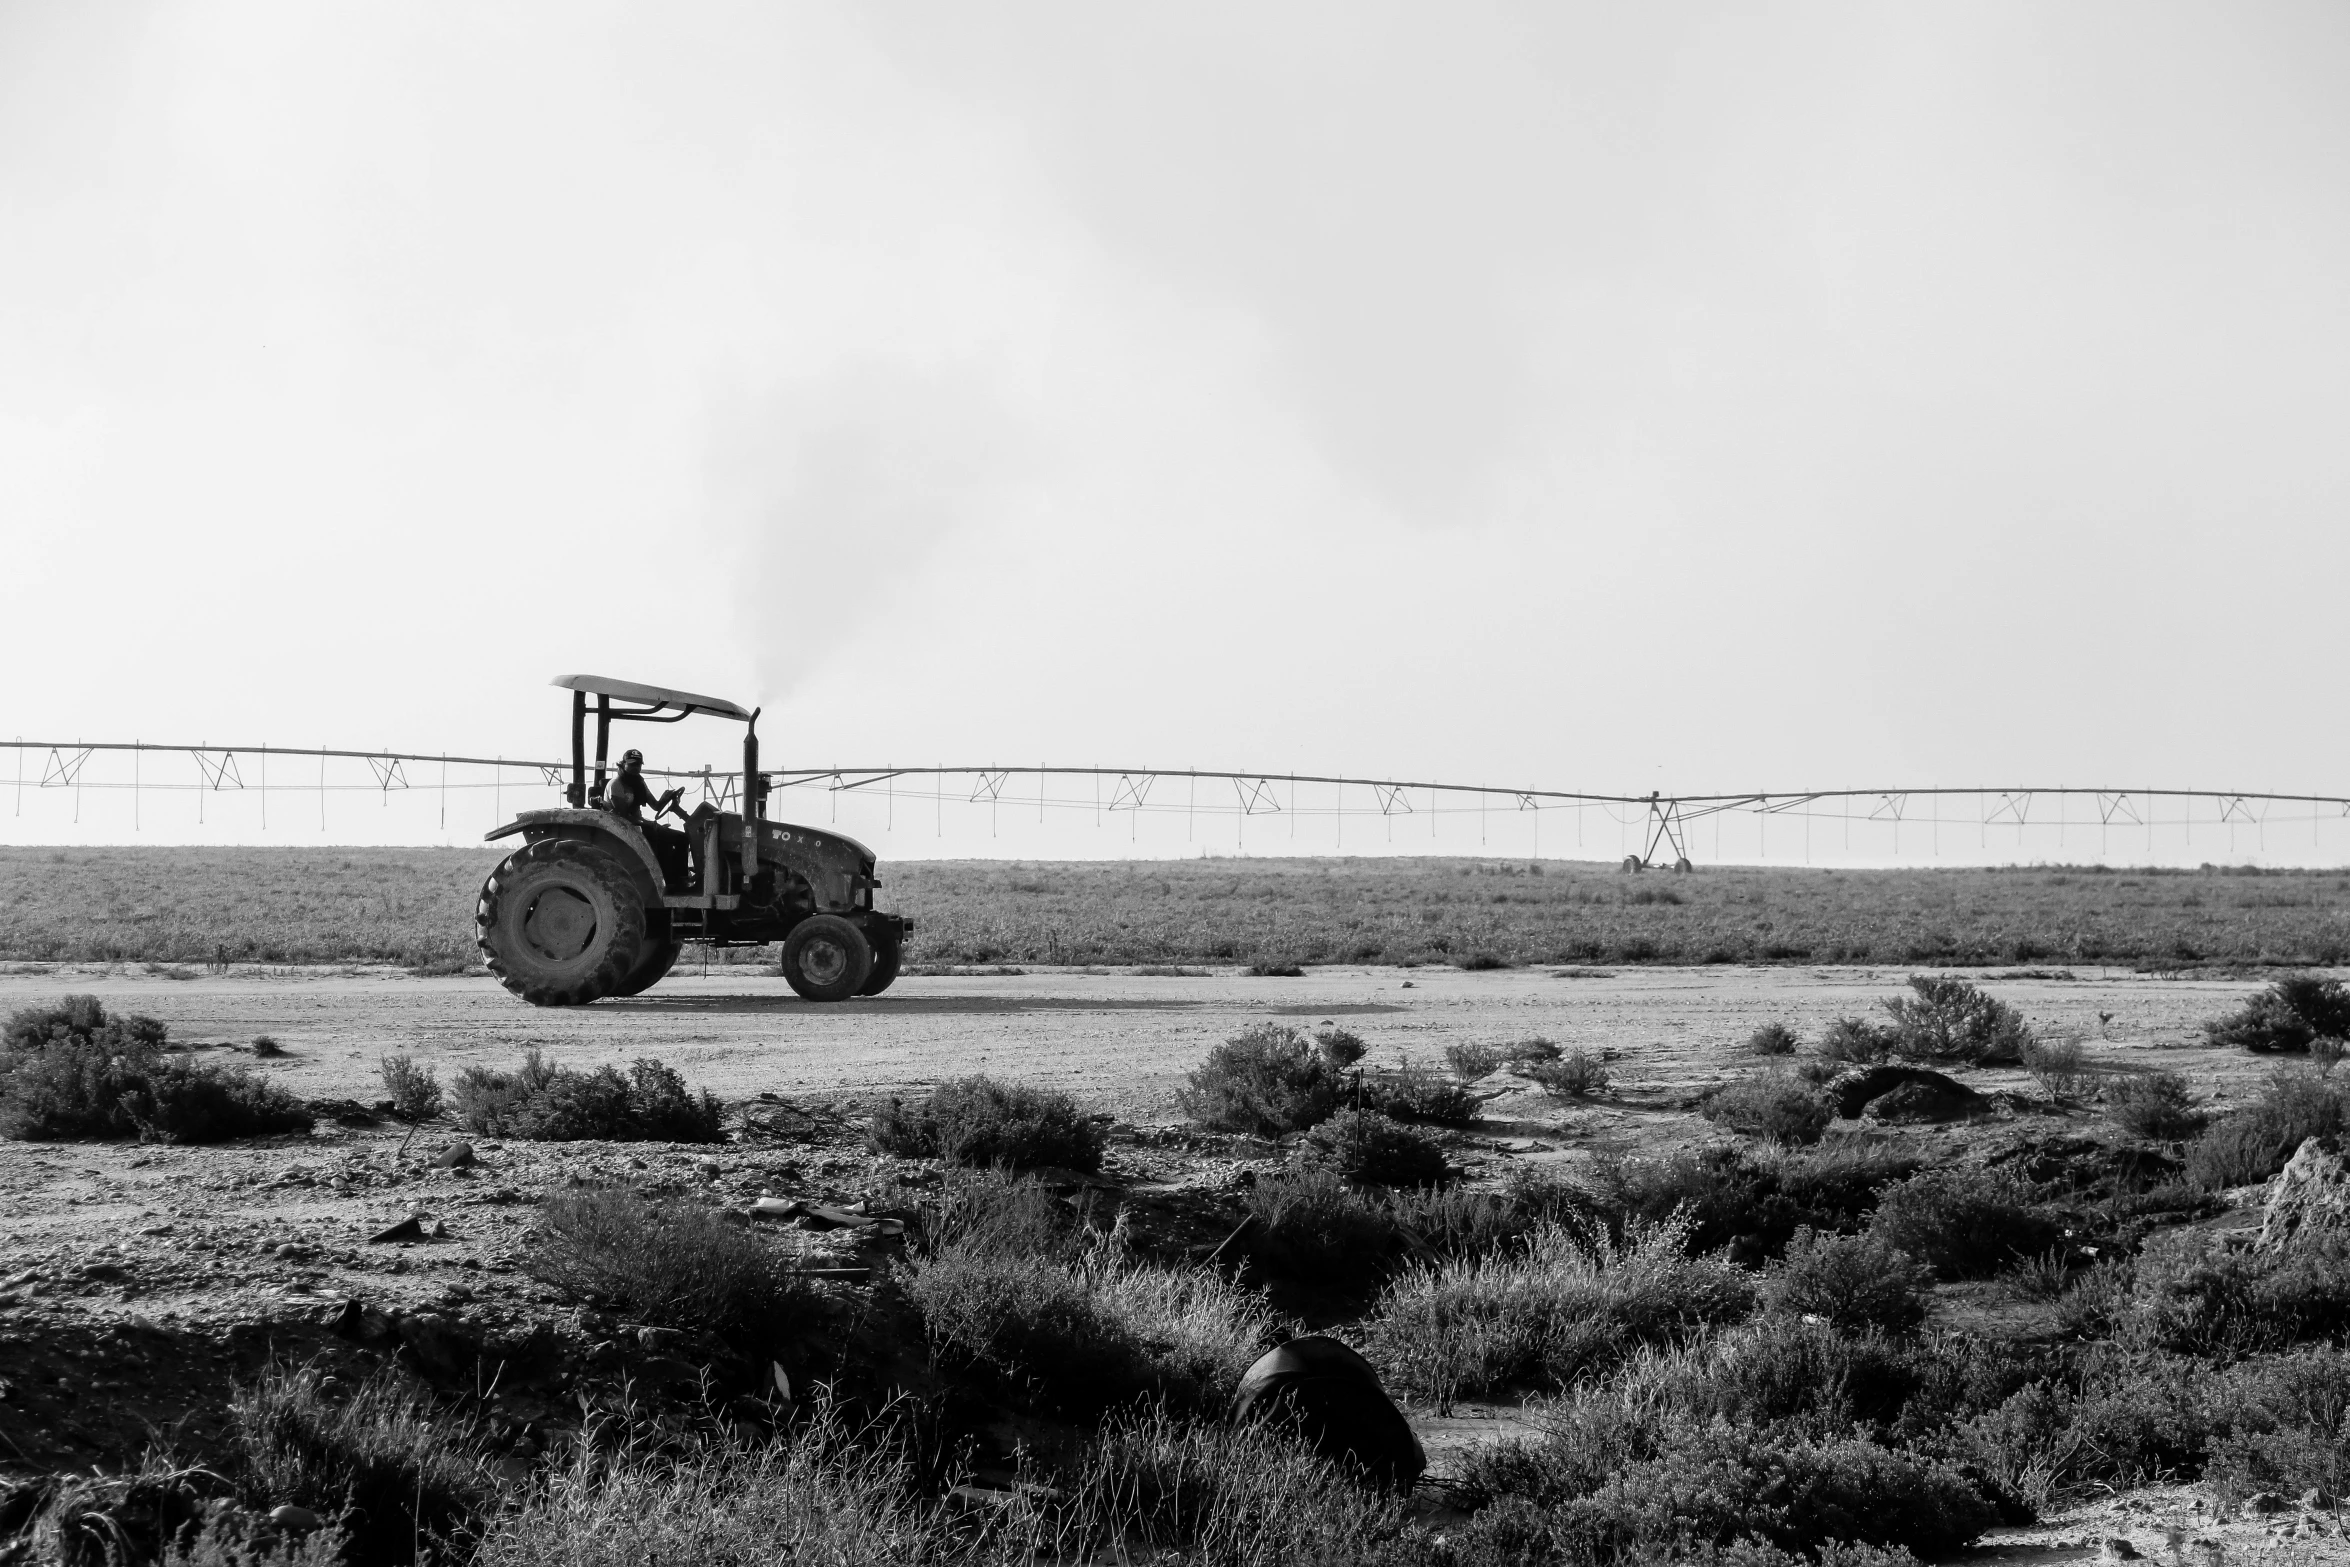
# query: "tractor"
592,905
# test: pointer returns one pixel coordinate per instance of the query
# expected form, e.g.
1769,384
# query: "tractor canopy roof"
660,696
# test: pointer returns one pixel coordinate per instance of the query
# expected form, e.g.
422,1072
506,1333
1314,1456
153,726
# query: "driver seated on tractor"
628,793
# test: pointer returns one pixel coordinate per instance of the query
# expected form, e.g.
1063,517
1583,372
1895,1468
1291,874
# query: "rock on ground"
2310,1197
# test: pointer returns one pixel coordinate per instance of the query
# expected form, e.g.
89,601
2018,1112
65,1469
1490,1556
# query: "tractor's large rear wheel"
888,953
654,960
561,923
825,958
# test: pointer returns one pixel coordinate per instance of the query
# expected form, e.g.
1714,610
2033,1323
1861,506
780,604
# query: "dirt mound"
1900,1095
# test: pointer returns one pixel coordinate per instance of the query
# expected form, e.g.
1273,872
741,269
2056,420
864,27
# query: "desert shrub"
2043,1276
406,1475
1313,1223
1748,1201
1856,1041
1850,1282
2291,1427
1948,1020
2207,1299
995,1210
1455,1221
1411,1093
1535,1048
673,1264
70,1072
2058,1065
2286,1018
1269,1079
1772,1039
79,1020
1540,1315
1274,968
1472,1061
2156,1105
1364,1145
1339,1047
1772,1107
1081,1334
2254,1143
415,1092
1609,1488
267,1048
1962,1224
1576,1075
978,1121
552,1104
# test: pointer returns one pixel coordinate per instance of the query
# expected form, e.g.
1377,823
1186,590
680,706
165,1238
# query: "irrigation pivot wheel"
825,958
561,923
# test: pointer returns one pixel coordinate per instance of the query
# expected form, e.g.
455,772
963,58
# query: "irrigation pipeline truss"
1664,820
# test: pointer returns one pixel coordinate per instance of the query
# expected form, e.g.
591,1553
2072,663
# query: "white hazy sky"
1600,397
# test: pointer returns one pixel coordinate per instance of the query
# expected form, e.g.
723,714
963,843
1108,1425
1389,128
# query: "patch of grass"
1313,1223
979,1121
671,1263
1566,1303
1269,1079
1947,1021
397,1473
1576,1075
2156,1105
1082,1334
1962,1224
2058,1065
2255,1142
1472,1061
1778,1109
2286,1018
72,1073
1772,1039
1853,1283
1364,1145
1411,1093
415,1092
1856,1042
542,1103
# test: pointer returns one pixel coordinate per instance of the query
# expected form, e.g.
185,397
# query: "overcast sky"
1602,397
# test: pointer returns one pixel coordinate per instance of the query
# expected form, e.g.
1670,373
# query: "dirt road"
1115,1038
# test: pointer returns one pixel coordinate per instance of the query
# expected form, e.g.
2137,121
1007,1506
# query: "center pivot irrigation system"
292,788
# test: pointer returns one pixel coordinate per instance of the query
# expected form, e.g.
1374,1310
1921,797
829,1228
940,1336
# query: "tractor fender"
590,826
832,863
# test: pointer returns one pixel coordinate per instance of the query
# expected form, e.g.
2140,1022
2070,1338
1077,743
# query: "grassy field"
415,907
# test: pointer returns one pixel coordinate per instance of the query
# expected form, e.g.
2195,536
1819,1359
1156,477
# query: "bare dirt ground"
138,1283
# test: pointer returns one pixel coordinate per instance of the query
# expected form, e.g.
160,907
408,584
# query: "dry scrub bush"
1749,1200
1856,1042
1311,1223
2216,1299
1364,1145
1772,1039
1540,1315
395,1473
672,1264
70,1072
2255,1142
542,1103
1962,1224
415,1092
2288,1018
1948,1021
1576,1075
2058,1065
1778,1109
832,1489
2156,1105
979,1121
1850,1282
1269,1080
1473,1061
1411,1093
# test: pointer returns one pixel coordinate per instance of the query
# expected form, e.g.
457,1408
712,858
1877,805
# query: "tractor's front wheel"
561,923
825,958
888,954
